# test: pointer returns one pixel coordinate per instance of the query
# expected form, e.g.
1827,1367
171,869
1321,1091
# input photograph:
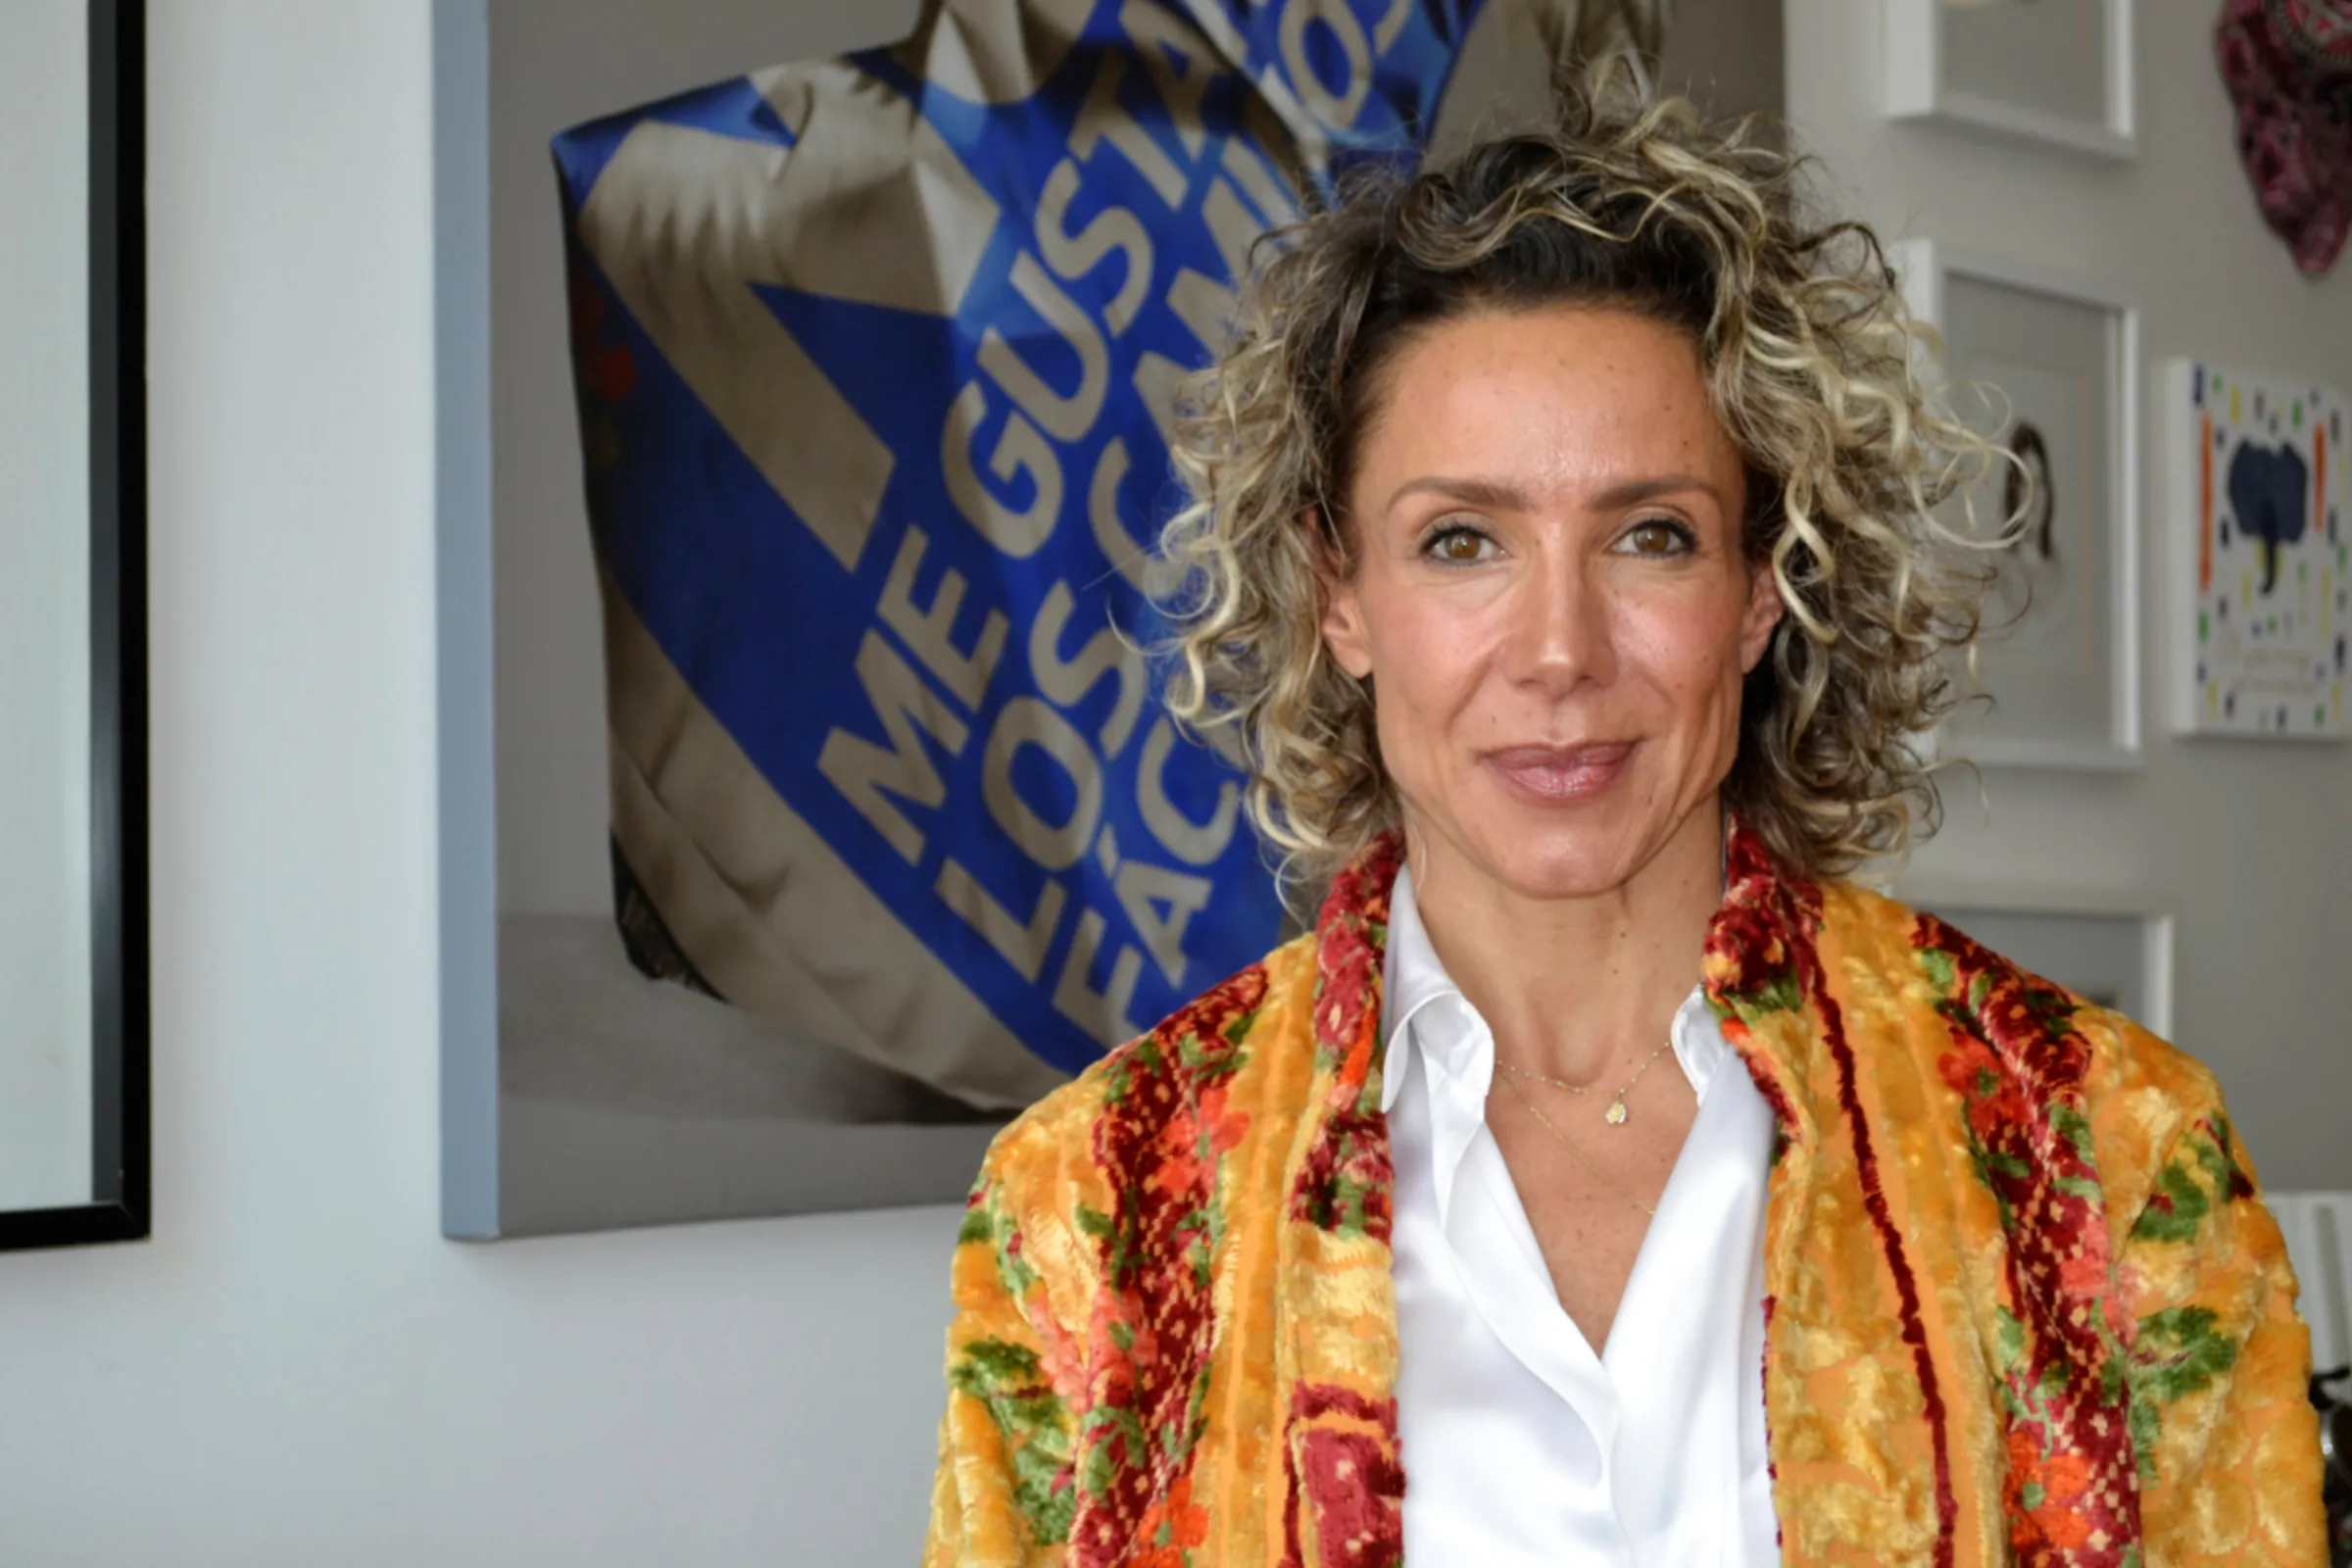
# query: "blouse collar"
1415,980
1768,921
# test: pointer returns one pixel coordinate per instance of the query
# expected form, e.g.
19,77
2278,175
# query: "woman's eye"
1657,537
1457,546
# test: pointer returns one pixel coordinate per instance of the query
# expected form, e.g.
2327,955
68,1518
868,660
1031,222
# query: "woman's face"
1549,595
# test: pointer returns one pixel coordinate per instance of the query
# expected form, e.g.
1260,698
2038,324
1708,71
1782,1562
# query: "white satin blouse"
1520,1445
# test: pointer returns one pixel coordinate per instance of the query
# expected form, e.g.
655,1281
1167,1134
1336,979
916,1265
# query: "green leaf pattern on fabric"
986,1224
1007,1381
2202,1176
2181,1350
1779,994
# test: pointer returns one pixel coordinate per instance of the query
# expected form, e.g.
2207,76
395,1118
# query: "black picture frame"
119,1209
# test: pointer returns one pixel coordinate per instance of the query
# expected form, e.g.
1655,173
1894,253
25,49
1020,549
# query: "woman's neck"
1576,987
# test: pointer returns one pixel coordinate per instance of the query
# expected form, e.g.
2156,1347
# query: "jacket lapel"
1343,1482
1854,1395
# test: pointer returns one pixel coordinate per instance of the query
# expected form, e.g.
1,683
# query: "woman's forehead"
1559,399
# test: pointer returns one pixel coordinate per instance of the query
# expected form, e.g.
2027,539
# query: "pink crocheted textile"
2288,66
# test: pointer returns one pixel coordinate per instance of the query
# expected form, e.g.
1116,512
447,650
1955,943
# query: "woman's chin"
1585,870
1557,862
1542,852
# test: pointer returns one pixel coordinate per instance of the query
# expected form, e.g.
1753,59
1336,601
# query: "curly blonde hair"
1807,349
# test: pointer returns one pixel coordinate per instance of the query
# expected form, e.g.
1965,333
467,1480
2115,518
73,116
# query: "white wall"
2248,842
297,1371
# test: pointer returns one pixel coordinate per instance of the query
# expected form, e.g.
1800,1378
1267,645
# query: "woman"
1601,1161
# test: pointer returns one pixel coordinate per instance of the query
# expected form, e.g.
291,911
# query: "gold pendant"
1615,1115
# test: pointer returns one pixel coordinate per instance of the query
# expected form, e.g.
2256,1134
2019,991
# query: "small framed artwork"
2048,365
2057,71
2260,553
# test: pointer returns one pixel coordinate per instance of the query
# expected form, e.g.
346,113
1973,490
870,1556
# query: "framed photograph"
2050,366
73,1014
2056,71
2260,555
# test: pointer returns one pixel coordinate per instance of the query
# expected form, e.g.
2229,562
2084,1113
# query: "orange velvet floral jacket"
2022,1302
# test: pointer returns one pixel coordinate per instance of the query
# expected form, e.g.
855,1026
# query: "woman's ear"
1764,610
1759,524
1343,608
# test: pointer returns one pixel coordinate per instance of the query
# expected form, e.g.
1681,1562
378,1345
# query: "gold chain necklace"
1616,1113
1577,1154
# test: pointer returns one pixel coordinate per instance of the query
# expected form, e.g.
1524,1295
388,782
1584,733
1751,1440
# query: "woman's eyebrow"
1491,493
1632,492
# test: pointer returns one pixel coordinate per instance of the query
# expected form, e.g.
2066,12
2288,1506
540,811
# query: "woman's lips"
1562,773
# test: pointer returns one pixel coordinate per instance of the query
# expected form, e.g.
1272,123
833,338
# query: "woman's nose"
1559,628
